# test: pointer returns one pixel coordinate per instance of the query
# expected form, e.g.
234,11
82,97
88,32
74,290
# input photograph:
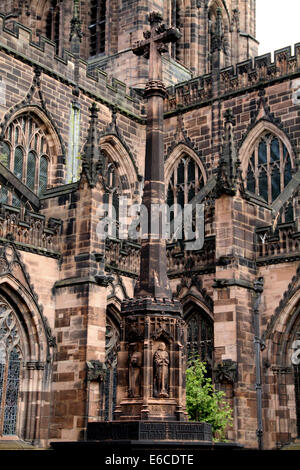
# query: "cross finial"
155,43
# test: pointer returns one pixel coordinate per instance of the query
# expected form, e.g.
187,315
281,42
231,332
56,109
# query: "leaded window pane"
10,368
180,198
191,194
31,168
250,180
191,171
275,154
43,177
275,181
16,201
170,197
180,173
263,185
289,213
287,171
12,393
5,155
4,195
262,153
18,162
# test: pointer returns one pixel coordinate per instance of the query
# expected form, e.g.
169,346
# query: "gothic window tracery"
112,339
25,152
10,369
200,337
270,169
97,27
185,182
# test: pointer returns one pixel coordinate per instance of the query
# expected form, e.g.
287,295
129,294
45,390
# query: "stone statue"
296,351
161,371
135,364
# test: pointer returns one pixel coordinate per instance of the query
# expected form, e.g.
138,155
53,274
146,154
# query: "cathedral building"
72,138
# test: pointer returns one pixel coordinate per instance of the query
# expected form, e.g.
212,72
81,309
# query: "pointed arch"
281,324
180,150
200,331
127,169
29,316
268,162
253,136
50,146
26,382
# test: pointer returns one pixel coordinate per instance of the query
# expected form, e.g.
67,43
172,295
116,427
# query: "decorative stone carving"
295,359
226,371
96,370
161,371
135,364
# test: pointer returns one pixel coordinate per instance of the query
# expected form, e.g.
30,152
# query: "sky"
278,24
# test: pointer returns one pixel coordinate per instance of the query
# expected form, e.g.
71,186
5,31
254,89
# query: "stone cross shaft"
153,280
155,43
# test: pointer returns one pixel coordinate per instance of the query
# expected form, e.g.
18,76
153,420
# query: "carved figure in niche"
161,371
135,364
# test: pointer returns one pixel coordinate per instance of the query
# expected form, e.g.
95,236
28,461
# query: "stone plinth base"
149,431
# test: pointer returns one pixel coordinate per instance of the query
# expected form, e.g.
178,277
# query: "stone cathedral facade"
72,137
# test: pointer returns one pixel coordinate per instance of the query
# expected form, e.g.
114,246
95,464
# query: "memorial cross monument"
152,358
153,329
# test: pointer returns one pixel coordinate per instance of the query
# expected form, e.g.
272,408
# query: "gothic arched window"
185,182
25,152
97,27
269,168
200,336
112,339
10,370
53,23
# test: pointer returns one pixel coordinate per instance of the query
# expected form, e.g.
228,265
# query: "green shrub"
204,403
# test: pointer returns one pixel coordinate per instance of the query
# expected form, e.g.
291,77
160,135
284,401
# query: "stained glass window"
269,168
97,27
25,152
200,337
10,369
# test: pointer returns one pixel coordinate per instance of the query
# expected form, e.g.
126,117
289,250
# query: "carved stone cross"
155,43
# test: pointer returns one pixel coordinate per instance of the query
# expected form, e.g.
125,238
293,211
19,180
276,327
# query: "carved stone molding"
95,370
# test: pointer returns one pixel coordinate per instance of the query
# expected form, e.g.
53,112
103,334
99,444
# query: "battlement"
247,74
18,42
